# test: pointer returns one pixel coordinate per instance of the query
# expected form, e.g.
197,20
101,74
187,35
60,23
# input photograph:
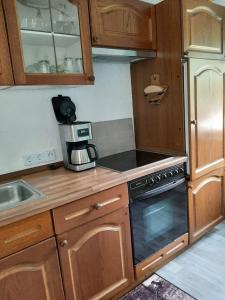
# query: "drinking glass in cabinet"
38,52
73,65
65,17
34,15
68,53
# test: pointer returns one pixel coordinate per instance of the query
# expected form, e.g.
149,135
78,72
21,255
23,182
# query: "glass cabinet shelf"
31,31
34,33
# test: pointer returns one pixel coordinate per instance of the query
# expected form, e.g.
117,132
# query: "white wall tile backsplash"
27,121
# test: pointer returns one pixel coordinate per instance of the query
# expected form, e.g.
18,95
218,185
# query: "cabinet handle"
91,78
186,52
153,262
63,243
98,206
194,122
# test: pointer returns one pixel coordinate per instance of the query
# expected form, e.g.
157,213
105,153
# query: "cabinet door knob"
91,78
95,39
98,206
63,243
194,122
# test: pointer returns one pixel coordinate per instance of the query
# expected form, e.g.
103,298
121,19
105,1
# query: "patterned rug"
157,288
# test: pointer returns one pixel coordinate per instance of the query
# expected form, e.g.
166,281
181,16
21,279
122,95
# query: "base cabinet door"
123,24
206,116
32,274
206,203
96,258
203,25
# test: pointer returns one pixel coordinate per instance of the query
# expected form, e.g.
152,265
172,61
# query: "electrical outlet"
29,159
51,155
33,159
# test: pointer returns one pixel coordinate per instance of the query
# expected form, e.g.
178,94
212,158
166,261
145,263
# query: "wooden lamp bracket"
155,92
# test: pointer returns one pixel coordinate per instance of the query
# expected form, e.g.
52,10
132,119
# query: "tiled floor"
200,271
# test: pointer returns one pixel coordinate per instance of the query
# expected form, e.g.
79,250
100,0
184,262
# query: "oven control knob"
158,178
181,170
176,172
170,174
151,181
164,176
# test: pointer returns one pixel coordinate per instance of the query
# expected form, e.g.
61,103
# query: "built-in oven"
158,211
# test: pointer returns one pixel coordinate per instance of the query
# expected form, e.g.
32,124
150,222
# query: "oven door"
158,217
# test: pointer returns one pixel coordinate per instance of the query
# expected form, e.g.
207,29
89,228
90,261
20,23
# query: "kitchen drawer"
22,234
154,262
87,209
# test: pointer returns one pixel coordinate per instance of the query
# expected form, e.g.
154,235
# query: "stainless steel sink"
17,192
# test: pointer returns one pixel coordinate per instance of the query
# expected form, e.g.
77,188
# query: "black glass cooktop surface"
128,160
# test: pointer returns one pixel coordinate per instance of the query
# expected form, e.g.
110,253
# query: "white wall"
27,121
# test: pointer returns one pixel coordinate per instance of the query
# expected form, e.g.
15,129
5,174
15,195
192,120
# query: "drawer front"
89,208
22,234
153,263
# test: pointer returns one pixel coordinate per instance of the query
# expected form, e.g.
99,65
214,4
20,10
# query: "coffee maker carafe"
81,154
78,154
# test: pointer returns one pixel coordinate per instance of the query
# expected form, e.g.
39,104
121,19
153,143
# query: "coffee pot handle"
89,152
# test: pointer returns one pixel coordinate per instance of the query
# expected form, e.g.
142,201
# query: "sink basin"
17,192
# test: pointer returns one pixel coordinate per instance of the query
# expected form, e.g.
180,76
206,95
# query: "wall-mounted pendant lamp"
155,92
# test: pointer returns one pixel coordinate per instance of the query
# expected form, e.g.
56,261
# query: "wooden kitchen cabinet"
96,258
49,41
123,24
160,128
22,234
6,76
206,102
206,203
32,274
203,28
90,208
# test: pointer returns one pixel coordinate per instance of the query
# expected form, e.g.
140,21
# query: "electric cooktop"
129,160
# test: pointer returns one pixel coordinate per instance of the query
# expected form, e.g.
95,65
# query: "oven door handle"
159,190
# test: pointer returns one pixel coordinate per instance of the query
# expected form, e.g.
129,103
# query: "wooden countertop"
62,186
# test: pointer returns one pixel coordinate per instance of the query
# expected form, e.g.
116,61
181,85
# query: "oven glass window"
158,221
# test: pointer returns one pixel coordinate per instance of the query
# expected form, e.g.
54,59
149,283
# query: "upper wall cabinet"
203,25
123,24
6,77
49,41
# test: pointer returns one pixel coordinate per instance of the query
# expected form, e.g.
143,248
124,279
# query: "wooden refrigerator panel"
161,127
206,115
206,203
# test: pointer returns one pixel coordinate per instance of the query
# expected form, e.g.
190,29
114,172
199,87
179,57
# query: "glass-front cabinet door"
49,41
